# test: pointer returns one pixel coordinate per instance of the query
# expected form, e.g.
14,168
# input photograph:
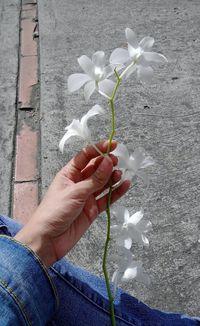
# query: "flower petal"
119,212
108,71
63,140
122,257
70,133
122,152
98,59
144,226
135,218
146,43
130,273
145,74
96,109
144,177
141,61
123,240
130,71
134,53
87,65
76,81
148,226
145,240
135,271
89,89
140,160
137,158
127,175
106,86
115,230
148,161
128,243
126,215
75,125
80,128
135,234
116,278
154,57
131,37
119,56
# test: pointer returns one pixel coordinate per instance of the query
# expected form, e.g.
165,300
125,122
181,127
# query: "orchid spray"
130,228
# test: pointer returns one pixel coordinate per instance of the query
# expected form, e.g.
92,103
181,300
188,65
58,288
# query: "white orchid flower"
80,128
131,164
127,268
133,228
138,56
95,76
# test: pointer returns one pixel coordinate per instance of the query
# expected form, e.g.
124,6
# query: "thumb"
99,178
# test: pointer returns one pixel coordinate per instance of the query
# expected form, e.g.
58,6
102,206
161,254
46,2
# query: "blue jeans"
83,298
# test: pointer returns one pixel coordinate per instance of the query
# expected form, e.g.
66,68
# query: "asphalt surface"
164,118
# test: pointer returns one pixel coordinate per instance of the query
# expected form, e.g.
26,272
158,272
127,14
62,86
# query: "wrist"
38,243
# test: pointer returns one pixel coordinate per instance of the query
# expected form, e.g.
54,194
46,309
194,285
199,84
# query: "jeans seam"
38,260
11,292
86,297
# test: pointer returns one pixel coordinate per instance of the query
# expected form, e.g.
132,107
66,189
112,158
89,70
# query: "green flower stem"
110,296
113,124
127,68
112,106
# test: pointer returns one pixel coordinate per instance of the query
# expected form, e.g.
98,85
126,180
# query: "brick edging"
26,167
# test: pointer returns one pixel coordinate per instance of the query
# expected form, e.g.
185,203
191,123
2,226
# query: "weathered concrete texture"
9,42
164,118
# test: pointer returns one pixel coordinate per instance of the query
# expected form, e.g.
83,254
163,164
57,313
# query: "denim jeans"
66,295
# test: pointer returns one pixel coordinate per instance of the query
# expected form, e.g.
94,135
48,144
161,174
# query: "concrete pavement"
9,40
19,171
164,118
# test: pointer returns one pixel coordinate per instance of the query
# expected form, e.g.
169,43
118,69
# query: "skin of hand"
72,202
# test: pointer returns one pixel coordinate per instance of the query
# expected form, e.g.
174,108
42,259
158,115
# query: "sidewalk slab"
162,117
9,40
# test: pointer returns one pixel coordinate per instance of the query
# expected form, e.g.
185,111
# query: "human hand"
71,203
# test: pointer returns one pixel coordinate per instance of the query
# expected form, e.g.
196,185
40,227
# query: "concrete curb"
25,189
